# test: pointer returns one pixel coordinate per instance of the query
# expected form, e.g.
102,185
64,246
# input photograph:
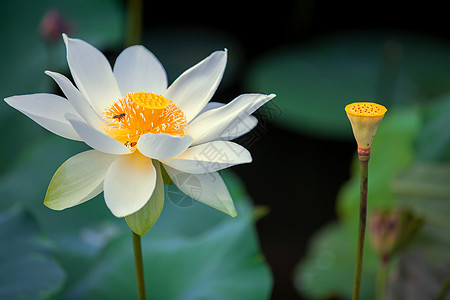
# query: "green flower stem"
382,276
134,19
139,266
364,155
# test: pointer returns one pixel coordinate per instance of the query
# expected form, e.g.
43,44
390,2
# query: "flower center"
139,113
365,109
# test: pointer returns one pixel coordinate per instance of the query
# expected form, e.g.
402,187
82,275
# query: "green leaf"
222,262
327,269
27,268
213,257
315,81
141,221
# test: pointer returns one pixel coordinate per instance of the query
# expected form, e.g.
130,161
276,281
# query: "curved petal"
209,157
96,191
238,128
129,184
206,188
47,110
211,105
142,220
76,98
138,70
78,179
96,139
162,145
92,73
212,124
195,87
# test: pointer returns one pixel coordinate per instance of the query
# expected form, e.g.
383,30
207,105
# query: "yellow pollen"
365,109
150,100
136,114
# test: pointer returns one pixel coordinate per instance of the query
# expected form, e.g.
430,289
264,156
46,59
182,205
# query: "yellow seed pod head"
365,117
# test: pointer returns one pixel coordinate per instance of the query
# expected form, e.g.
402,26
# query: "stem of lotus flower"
363,155
139,266
134,30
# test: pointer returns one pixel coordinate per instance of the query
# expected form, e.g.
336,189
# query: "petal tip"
12,100
122,213
49,73
222,53
118,215
65,38
140,47
51,204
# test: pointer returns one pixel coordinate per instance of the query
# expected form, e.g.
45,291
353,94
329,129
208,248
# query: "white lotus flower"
134,122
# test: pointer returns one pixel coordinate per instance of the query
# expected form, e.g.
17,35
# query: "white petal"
211,105
142,220
77,99
162,145
47,110
195,87
96,139
209,157
212,124
138,70
129,184
92,73
238,128
206,188
78,179
96,191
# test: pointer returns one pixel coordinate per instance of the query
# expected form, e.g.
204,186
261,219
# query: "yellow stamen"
150,100
136,114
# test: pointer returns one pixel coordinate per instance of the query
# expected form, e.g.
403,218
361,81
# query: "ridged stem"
363,155
139,266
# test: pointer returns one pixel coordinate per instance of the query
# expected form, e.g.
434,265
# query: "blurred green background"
295,235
